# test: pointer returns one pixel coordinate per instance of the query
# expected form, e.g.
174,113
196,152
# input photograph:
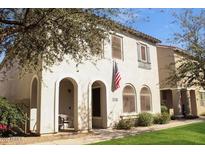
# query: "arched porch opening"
99,105
67,105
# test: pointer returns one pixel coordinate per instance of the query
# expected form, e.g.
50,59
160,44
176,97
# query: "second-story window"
143,56
116,47
143,53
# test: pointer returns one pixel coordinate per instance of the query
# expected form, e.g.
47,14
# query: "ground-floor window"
202,98
145,99
129,99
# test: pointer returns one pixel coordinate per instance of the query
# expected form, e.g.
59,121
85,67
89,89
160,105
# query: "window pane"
145,90
128,103
145,103
145,99
116,47
128,90
143,54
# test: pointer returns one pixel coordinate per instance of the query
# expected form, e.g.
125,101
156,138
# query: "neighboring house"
81,98
176,97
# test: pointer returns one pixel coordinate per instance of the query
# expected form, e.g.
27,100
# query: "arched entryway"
99,105
34,106
67,105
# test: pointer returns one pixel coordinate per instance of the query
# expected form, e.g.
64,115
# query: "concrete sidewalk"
98,135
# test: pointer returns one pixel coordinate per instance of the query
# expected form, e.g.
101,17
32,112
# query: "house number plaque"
115,99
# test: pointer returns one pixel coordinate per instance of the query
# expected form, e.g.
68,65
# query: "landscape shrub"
190,116
124,124
164,109
157,118
173,117
163,118
145,119
133,122
10,116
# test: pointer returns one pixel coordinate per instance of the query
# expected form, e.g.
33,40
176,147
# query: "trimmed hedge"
163,118
145,119
124,124
164,109
190,116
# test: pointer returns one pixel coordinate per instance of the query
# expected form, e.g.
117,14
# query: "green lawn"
188,134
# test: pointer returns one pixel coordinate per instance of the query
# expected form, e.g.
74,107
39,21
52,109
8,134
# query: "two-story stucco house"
177,97
81,98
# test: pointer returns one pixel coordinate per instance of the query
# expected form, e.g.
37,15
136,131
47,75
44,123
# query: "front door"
96,102
96,107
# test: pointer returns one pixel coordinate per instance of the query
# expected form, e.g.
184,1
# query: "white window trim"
128,94
124,114
122,55
146,95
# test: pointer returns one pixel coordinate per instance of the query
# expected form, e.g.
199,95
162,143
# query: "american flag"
116,77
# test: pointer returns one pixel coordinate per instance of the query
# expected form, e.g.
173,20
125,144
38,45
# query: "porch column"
90,106
81,114
56,107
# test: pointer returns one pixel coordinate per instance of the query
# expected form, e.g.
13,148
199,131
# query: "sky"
155,22
158,23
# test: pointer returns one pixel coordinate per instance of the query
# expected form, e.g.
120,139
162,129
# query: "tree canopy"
30,36
190,69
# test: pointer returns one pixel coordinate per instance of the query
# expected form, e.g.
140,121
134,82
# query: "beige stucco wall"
16,88
87,73
166,56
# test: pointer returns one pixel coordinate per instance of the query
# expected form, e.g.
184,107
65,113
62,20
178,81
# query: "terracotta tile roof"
138,33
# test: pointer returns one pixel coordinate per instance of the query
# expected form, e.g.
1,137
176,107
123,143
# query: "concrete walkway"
98,135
